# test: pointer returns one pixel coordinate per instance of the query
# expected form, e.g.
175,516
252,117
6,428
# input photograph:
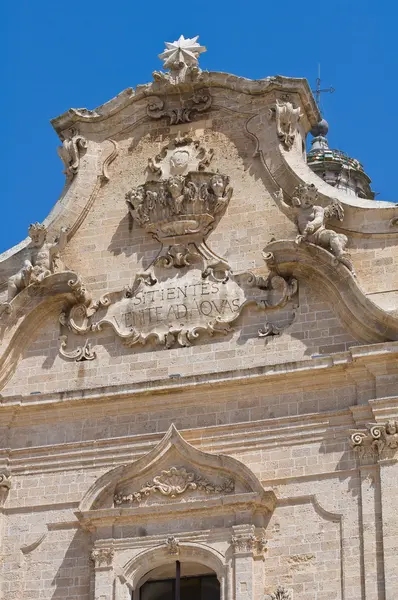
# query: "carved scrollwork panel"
199,102
175,482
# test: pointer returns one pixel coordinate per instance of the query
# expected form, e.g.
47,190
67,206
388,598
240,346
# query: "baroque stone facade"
198,357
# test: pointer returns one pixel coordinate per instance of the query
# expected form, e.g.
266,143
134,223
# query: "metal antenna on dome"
318,91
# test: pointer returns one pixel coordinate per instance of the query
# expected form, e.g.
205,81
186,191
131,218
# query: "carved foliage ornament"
377,439
287,118
102,557
281,593
249,543
174,482
199,102
311,219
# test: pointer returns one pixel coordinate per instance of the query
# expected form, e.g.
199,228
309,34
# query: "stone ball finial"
320,128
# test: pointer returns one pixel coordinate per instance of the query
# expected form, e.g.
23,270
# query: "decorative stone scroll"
311,219
174,482
376,439
176,310
287,119
199,102
80,354
72,145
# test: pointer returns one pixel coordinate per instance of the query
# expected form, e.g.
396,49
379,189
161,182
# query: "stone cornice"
208,79
236,438
288,375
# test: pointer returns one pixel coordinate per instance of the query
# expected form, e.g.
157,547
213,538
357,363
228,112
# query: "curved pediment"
174,476
306,261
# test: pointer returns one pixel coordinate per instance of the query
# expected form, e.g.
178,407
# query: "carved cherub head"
218,184
136,196
38,234
305,196
391,428
175,186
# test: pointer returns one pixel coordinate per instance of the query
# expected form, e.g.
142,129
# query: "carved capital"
379,440
245,540
102,557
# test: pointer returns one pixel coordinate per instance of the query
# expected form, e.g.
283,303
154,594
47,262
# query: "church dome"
335,166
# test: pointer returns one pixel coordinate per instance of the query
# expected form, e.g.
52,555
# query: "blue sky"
57,55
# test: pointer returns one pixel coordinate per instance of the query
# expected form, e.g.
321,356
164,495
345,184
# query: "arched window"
179,581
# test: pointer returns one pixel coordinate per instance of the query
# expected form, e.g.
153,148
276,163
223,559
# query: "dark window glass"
206,587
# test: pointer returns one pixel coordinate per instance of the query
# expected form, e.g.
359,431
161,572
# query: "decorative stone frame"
122,558
134,571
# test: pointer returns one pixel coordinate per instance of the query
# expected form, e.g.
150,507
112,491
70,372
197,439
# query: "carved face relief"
136,196
175,186
217,184
179,162
37,234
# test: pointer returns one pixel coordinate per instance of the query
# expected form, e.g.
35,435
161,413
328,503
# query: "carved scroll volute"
199,102
381,440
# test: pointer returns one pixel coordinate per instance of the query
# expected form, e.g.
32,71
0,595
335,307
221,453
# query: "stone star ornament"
185,51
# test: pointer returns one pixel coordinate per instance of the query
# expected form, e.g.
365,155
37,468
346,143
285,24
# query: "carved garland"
175,482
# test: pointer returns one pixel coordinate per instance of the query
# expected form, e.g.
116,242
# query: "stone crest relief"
180,203
188,290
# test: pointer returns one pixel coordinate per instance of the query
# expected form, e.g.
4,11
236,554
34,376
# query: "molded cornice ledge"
208,79
364,320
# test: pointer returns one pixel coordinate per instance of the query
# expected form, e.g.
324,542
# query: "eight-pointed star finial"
185,51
